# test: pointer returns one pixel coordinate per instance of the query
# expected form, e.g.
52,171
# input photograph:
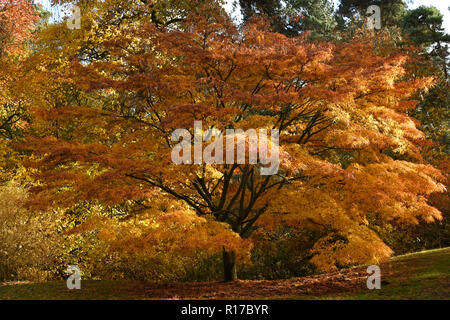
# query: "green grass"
422,275
90,290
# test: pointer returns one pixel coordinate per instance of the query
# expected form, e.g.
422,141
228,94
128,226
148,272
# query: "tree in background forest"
424,28
17,19
293,17
392,11
348,149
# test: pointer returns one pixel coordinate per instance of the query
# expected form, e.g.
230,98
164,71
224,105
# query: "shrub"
27,239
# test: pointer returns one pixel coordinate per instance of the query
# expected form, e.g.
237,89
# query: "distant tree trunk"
229,265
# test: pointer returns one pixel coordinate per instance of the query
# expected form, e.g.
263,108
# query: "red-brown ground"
318,285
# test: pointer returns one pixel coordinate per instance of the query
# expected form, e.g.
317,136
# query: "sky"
442,5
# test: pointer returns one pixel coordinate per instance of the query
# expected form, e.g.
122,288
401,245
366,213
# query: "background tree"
272,9
318,17
424,27
392,11
17,21
293,17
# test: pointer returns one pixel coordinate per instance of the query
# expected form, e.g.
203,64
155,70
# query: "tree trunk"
229,265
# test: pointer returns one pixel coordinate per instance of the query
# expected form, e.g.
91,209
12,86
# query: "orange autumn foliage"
341,112
167,227
17,18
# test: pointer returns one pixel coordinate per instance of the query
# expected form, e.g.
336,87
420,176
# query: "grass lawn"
422,275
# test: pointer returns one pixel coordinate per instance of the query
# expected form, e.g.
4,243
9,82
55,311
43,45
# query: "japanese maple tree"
340,110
